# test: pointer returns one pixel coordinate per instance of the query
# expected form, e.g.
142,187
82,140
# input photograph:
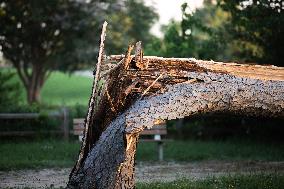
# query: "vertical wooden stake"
160,151
65,123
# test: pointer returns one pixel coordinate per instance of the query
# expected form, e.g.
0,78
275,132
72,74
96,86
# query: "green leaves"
258,27
9,90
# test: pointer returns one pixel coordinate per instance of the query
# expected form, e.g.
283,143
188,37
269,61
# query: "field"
63,89
190,156
56,153
228,182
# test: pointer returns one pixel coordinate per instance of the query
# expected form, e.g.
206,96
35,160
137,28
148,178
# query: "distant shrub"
78,111
9,91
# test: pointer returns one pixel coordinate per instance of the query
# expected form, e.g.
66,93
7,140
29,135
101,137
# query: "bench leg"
160,151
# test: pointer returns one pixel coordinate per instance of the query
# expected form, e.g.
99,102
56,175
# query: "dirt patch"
34,178
145,172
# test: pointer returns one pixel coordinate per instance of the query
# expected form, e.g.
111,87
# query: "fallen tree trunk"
140,91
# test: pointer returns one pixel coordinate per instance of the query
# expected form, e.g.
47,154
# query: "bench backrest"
78,126
159,129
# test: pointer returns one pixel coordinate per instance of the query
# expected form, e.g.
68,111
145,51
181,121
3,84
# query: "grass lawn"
62,89
228,182
54,153
66,89
194,150
40,154
272,181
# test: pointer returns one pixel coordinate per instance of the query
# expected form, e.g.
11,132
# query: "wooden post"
160,151
65,123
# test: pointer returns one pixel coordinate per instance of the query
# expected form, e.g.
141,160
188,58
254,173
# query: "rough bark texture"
88,129
140,91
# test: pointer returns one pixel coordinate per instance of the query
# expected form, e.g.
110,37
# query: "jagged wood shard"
135,97
86,143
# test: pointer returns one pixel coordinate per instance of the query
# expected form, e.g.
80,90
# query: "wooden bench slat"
157,127
76,132
154,132
78,126
78,121
150,140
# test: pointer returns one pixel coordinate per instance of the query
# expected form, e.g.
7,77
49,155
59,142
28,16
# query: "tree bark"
35,84
135,97
33,81
33,94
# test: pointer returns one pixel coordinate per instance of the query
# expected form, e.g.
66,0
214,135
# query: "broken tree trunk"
139,91
172,88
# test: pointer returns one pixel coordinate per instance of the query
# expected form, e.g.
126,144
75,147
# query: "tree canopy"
40,36
258,28
200,34
242,31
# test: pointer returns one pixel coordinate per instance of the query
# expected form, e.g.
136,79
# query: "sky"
170,9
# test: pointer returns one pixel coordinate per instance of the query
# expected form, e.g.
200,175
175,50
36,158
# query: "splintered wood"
139,91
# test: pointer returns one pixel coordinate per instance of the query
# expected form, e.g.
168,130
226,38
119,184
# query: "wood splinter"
139,57
152,84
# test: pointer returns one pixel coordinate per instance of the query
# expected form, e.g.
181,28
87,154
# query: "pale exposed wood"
128,57
267,72
152,84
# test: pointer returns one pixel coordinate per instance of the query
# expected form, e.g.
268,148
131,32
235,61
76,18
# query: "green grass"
193,150
22,155
272,181
66,89
55,153
61,89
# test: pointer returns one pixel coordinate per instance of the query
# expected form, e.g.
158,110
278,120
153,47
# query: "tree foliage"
41,36
129,25
200,34
9,90
242,31
258,28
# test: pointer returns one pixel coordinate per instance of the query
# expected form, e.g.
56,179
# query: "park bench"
155,133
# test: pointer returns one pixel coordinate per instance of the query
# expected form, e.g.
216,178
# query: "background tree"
36,36
242,31
41,36
129,25
200,34
258,29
